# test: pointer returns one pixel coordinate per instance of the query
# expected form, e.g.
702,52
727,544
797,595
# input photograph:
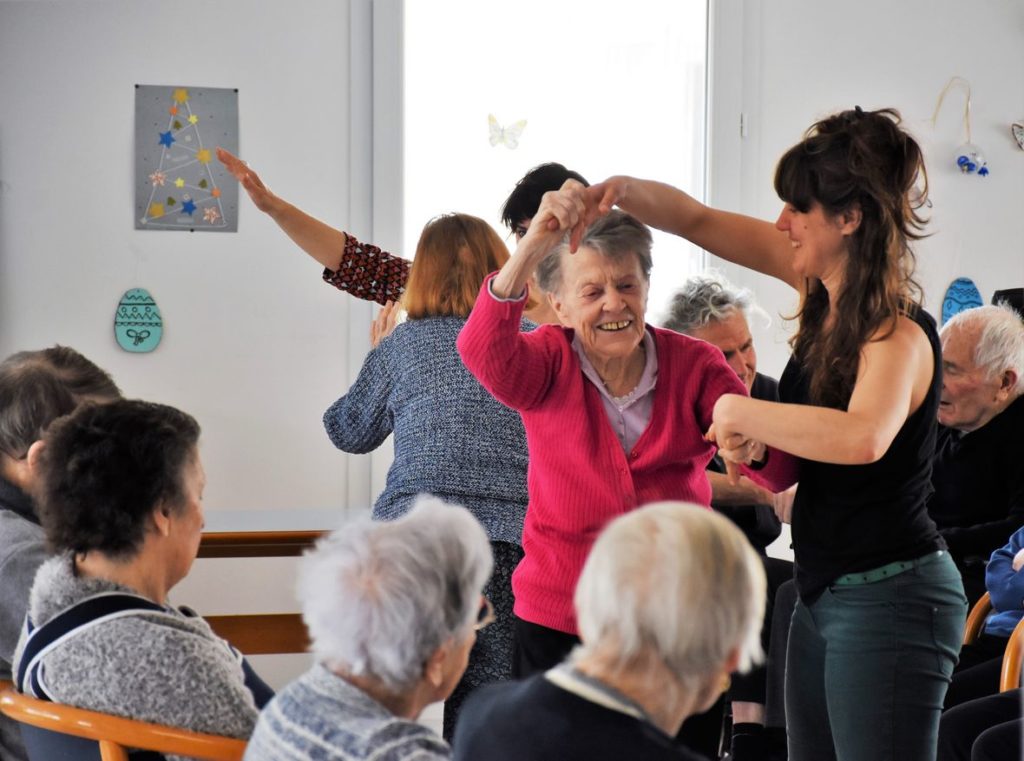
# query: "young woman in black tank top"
877,629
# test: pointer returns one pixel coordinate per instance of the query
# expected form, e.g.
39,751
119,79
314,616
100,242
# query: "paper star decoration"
215,192
203,156
210,214
180,95
157,178
173,110
193,119
188,207
166,139
179,183
156,210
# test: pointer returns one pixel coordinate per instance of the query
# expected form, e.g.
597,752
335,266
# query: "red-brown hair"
454,255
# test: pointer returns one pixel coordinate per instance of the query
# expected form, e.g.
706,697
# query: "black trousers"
977,673
752,686
986,729
538,648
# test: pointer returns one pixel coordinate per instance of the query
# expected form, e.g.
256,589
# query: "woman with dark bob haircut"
120,500
877,628
451,438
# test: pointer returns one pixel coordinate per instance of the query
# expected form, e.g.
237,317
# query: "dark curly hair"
106,467
856,159
37,387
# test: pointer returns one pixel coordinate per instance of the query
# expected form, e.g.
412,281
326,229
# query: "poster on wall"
179,184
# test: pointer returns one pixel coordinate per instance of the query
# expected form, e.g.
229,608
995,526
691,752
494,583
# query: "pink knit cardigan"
579,477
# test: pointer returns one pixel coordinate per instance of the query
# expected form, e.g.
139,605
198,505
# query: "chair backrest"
976,619
1009,677
113,734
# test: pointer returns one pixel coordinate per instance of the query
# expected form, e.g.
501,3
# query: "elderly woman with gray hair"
392,610
669,604
614,410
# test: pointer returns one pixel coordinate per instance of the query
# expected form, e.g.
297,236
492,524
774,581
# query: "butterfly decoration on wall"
1018,134
507,136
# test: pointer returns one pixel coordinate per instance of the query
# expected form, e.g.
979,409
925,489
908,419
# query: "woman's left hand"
734,446
383,323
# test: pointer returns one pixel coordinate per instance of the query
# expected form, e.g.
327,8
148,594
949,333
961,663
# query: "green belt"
886,571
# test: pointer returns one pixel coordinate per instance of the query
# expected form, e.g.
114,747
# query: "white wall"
254,344
789,62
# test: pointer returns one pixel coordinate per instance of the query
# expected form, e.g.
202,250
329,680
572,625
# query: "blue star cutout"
188,207
166,138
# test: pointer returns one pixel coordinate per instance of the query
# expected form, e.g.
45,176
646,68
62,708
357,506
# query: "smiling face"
970,398
604,300
732,336
818,240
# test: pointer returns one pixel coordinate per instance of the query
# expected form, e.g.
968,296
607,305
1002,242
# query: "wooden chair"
1013,657
116,735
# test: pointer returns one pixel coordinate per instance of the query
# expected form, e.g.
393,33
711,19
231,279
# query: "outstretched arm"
742,240
319,240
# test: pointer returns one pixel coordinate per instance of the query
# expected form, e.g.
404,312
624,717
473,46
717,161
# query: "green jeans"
868,666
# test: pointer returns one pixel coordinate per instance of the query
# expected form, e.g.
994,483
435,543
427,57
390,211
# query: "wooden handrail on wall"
263,633
257,544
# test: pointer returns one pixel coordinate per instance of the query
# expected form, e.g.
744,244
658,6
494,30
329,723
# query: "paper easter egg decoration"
138,326
962,294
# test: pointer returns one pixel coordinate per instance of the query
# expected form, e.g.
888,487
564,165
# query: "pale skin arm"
318,239
746,492
893,379
742,240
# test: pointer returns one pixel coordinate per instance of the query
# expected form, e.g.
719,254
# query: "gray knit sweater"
452,438
22,551
321,717
160,667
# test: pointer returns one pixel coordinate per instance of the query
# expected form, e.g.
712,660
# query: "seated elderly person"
120,498
392,610
978,498
36,388
710,308
669,604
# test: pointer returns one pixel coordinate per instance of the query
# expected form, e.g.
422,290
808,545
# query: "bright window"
605,87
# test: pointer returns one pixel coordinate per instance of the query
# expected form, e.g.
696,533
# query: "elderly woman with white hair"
669,604
392,610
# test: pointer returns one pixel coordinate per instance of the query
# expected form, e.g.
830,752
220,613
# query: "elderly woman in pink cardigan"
615,411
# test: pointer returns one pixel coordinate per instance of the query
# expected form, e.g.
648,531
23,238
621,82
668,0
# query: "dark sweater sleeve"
360,421
369,273
980,539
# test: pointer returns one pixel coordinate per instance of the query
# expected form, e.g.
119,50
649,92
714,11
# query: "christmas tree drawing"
178,185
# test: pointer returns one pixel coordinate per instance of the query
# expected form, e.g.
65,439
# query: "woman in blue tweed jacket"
452,439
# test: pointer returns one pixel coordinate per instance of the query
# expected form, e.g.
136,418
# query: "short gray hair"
706,299
1000,339
676,579
379,598
617,234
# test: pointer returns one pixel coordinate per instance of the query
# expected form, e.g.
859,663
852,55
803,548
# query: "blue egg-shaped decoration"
138,326
962,294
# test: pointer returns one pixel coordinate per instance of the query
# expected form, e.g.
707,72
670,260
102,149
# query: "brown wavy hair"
856,160
454,255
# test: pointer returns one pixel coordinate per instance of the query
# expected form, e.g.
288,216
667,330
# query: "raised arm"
319,240
893,379
742,240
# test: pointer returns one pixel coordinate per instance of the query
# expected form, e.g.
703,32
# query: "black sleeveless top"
849,518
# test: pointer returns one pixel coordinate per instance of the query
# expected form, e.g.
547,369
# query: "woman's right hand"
261,196
384,323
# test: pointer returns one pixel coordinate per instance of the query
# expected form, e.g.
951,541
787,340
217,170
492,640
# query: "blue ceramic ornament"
971,161
138,326
962,294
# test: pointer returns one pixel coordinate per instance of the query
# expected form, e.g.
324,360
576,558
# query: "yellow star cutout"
179,183
180,95
193,119
203,156
156,210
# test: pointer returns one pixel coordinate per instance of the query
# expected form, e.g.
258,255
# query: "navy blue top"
849,518
452,438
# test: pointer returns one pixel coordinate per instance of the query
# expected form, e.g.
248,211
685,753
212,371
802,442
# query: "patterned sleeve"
369,273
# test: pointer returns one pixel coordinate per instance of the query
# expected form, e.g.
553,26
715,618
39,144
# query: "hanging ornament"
1018,134
969,158
138,326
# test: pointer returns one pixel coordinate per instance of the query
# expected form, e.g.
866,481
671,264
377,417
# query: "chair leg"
111,751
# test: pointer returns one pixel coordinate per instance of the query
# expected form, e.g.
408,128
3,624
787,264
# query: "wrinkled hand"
383,323
782,504
259,193
735,449
1018,560
598,200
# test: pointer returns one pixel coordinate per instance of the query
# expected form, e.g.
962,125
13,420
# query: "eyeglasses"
485,616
